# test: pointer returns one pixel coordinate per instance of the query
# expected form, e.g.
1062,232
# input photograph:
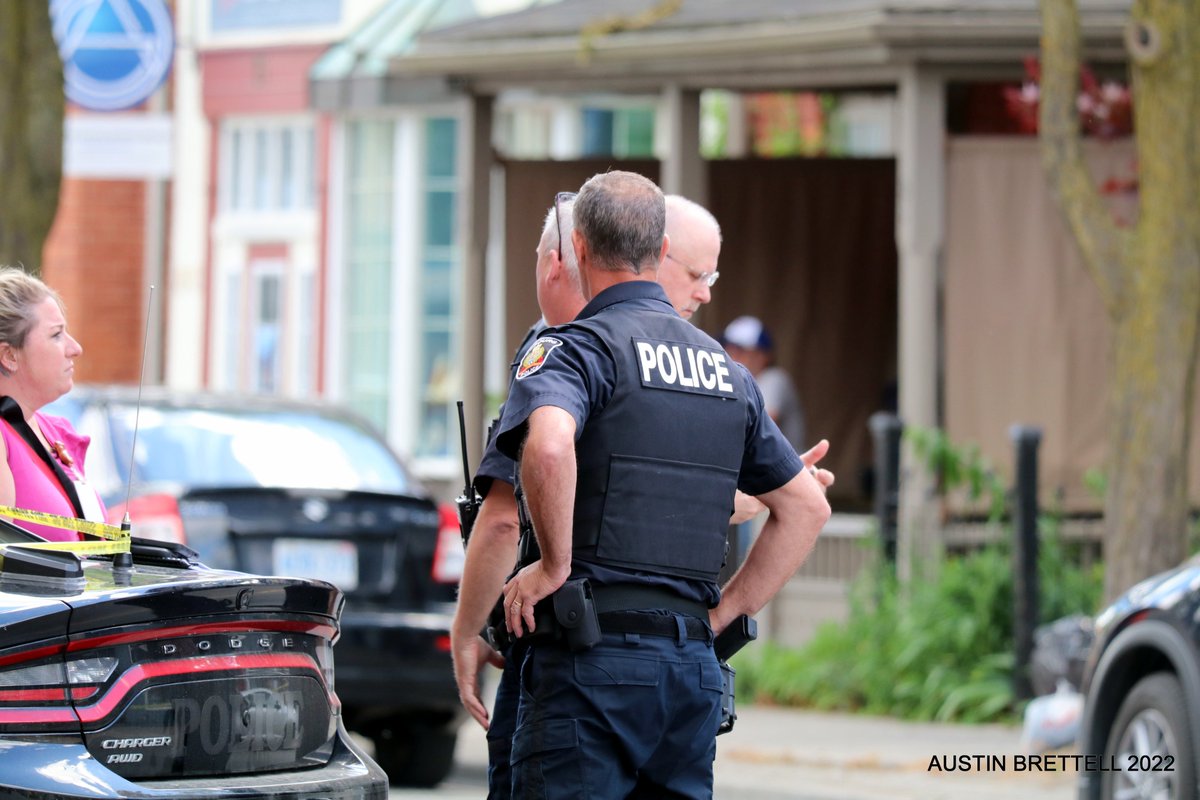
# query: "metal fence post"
1025,553
885,432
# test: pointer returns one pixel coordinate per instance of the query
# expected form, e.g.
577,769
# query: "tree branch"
1104,245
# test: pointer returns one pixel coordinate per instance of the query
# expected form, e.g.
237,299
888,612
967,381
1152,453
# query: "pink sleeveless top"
36,486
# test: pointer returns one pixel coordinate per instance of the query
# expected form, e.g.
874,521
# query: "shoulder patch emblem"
536,356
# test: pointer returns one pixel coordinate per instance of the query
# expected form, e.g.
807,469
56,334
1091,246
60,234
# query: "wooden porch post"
683,169
920,201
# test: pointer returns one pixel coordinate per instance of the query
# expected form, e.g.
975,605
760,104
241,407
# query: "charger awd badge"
536,355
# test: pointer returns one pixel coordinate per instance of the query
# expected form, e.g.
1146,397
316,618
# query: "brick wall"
94,259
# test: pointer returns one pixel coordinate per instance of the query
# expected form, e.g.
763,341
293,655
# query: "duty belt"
623,608
632,597
651,624
642,623
610,606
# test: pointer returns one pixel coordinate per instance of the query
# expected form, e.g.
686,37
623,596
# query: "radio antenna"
126,522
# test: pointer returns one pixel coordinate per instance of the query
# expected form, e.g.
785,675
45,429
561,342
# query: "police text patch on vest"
536,355
683,367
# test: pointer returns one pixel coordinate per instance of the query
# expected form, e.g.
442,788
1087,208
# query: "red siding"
94,258
263,81
267,250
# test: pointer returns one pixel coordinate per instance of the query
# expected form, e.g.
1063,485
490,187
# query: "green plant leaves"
936,650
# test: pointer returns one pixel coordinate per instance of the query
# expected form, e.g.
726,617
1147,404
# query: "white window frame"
258,270
303,165
408,221
233,233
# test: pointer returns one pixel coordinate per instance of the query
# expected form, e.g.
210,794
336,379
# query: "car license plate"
336,561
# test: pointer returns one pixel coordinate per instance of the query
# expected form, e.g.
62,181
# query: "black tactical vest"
658,467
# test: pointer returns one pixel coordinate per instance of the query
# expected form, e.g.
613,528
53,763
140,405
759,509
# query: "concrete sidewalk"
787,754
776,753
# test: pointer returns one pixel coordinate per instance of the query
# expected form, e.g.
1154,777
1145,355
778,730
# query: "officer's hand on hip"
522,593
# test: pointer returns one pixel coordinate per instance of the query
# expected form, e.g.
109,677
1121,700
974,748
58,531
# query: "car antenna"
126,522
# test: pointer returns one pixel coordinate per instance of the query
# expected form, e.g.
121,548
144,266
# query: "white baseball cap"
747,333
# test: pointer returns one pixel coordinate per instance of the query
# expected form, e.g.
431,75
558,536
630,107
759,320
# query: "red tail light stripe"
191,666
131,678
31,695
32,655
316,628
37,716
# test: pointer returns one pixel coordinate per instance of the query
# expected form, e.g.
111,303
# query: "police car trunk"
165,672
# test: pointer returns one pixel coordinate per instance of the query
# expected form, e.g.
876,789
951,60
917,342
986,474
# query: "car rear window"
291,449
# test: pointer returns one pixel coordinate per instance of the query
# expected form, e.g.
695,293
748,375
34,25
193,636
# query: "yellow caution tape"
113,539
100,529
79,548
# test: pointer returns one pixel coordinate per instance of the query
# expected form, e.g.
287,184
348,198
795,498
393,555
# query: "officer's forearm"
548,478
799,511
491,556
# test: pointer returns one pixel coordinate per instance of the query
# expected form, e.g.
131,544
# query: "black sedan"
276,487
145,675
1141,725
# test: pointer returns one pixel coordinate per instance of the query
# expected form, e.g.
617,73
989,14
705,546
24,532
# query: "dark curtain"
809,247
529,189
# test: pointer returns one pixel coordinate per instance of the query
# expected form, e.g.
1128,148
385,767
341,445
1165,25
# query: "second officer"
633,430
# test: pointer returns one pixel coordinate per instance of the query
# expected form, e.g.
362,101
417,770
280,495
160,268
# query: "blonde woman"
42,464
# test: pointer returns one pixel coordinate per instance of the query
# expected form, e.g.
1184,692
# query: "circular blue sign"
115,53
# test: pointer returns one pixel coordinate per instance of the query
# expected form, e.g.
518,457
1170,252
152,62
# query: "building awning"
642,45
355,73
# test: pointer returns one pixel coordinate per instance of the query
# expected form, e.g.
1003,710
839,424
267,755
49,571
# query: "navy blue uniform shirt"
578,377
570,368
496,466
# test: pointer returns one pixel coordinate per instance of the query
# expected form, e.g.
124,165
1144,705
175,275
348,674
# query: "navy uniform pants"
503,724
634,717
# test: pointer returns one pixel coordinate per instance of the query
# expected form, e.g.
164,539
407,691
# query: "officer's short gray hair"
622,216
20,294
564,219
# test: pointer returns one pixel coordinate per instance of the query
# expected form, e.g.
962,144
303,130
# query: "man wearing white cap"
749,343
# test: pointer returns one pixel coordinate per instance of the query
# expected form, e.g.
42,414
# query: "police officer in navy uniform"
696,235
493,547
634,429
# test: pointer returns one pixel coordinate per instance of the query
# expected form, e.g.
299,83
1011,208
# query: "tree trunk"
31,131
1150,398
1149,277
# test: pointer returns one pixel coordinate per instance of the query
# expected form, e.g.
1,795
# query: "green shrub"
939,650
944,652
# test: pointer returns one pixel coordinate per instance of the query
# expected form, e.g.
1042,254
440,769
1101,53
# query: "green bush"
939,650
944,652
